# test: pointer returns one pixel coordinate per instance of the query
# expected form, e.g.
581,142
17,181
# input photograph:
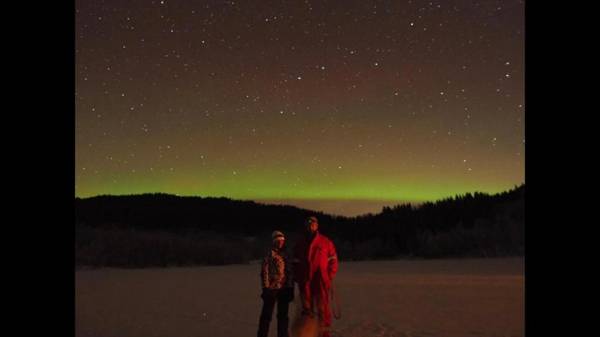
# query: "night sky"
313,103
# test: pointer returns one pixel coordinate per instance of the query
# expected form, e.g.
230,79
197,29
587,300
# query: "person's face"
279,243
312,227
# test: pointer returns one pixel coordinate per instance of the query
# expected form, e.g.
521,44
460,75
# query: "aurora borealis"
311,100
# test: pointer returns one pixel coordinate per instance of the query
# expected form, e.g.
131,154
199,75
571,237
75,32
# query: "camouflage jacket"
275,271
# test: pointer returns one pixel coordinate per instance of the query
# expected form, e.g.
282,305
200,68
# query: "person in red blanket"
315,265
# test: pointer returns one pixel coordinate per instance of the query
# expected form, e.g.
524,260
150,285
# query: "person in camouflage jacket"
277,287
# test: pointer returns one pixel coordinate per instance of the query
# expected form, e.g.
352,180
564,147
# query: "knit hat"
277,235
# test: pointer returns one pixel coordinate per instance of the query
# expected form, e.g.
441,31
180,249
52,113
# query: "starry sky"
338,105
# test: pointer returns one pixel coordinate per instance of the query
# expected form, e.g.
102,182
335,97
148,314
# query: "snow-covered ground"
445,298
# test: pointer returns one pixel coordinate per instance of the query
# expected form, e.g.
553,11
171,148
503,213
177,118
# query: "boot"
263,327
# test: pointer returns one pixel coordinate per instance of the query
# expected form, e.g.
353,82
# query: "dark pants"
283,297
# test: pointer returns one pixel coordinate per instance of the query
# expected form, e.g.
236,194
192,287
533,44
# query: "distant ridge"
171,212
162,229
168,211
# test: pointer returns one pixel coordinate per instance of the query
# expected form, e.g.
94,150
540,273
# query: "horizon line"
406,200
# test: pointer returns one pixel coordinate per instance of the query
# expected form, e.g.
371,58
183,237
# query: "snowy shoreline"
445,297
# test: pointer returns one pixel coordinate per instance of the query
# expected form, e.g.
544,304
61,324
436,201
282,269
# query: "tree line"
167,230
